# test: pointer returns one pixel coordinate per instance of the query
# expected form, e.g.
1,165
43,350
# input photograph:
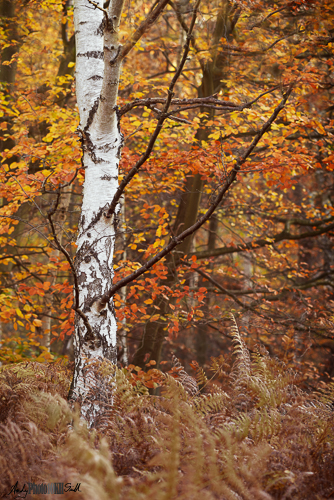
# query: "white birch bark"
97,79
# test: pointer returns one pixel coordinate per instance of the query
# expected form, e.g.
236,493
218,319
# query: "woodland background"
249,299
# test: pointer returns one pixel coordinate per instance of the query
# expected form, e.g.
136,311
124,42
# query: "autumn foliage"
266,254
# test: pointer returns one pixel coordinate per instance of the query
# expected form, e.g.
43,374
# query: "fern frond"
201,377
213,403
242,366
189,383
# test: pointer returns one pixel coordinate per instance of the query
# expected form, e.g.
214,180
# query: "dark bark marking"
91,115
94,290
109,177
82,278
95,77
87,143
100,29
106,148
96,218
114,59
121,144
82,252
94,54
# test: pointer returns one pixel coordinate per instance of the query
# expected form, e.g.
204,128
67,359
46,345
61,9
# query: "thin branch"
295,221
164,115
143,28
263,242
179,16
198,101
260,21
194,103
30,225
222,333
171,71
23,190
76,305
214,282
20,263
99,8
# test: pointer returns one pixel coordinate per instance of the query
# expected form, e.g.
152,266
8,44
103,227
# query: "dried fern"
177,445
189,383
242,366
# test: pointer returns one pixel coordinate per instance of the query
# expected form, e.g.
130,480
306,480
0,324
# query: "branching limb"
23,190
264,19
105,12
217,285
198,102
13,217
176,240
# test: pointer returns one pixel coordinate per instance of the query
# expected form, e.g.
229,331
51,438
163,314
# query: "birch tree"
99,57
97,76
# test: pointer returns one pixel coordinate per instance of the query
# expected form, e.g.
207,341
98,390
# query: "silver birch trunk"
97,80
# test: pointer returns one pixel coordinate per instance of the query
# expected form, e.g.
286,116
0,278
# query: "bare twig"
217,285
105,12
260,21
30,225
196,102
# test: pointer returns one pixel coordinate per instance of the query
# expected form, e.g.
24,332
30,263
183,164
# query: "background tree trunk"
212,74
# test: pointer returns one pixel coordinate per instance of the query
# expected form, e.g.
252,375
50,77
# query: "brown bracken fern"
251,433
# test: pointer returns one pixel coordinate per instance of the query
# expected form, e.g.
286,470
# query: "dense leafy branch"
176,240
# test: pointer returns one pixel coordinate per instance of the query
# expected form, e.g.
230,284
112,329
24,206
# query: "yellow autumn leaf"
19,313
40,358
